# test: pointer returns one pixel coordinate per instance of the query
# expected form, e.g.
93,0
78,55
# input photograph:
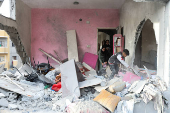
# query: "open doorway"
103,35
146,48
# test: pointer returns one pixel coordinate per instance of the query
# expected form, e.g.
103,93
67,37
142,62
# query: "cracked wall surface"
132,13
10,27
160,1
19,30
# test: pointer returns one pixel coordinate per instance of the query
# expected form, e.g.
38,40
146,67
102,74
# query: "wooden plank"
72,45
91,82
69,81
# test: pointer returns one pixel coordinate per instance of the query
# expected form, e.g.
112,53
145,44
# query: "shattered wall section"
23,20
132,13
167,44
160,1
10,26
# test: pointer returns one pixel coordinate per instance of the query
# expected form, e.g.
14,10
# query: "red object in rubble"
56,87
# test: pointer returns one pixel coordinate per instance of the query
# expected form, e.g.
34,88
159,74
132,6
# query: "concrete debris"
91,82
112,81
125,107
82,90
2,95
2,67
137,86
86,106
12,106
3,102
69,79
117,87
51,75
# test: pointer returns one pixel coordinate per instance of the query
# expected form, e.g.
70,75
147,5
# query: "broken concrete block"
3,102
137,86
12,106
100,88
117,87
103,83
91,82
69,79
2,95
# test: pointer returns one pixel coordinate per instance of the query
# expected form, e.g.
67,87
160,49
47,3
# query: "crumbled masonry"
37,95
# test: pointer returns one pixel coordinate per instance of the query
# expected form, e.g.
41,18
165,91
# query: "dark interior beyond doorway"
110,33
103,35
146,48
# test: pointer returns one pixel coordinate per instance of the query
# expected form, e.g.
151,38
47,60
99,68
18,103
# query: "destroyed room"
84,56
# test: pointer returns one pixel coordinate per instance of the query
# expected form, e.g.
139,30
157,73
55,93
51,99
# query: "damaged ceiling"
163,1
68,4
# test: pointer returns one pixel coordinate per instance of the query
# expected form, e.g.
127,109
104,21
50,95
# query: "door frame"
98,38
98,35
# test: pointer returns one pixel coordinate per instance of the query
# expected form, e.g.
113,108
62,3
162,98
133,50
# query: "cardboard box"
107,100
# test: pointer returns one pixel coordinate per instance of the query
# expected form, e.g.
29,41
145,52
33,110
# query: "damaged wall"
132,13
49,28
167,44
148,47
23,20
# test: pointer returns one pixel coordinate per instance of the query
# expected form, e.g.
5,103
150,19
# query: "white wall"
167,44
132,13
5,8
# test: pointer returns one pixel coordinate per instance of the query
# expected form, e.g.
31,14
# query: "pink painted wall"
49,28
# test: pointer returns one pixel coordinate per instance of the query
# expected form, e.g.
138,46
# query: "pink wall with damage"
49,28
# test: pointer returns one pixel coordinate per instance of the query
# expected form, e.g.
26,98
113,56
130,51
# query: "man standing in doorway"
116,59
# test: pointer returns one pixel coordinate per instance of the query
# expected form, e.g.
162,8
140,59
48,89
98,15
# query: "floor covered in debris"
75,87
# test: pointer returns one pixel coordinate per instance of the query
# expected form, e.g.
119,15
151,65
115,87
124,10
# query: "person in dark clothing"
116,59
107,45
103,57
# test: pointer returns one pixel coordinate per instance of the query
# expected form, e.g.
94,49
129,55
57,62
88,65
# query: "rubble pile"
74,87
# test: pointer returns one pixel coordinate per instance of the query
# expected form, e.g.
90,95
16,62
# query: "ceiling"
68,4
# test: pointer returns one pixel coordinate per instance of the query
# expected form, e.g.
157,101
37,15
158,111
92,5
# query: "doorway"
103,35
146,48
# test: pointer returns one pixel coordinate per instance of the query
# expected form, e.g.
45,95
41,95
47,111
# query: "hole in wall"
14,43
146,47
80,19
